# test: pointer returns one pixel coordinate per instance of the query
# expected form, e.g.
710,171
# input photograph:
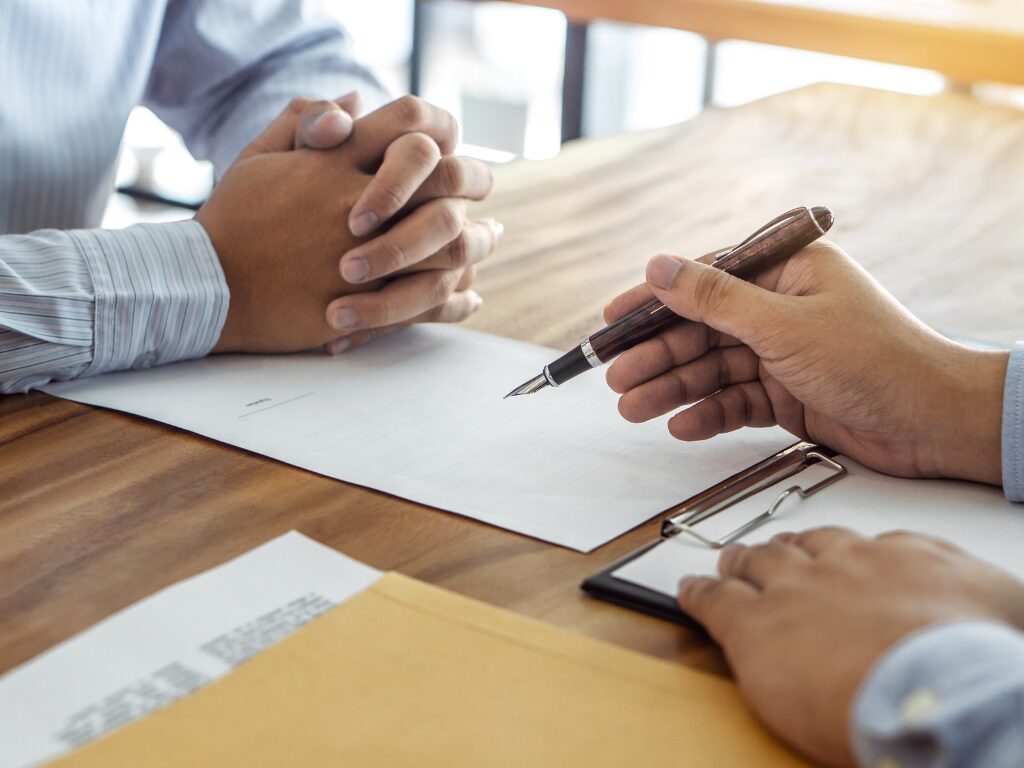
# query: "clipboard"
685,519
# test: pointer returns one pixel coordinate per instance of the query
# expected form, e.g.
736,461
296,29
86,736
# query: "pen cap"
773,243
776,241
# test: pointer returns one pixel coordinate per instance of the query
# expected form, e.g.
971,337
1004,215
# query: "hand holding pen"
821,349
773,243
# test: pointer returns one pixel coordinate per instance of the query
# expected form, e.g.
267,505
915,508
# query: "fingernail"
333,121
338,346
497,227
662,271
355,270
477,302
344,319
364,224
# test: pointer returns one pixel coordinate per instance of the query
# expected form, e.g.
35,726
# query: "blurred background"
522,80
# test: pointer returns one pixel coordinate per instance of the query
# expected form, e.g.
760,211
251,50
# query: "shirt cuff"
1013,426
946,695
160,294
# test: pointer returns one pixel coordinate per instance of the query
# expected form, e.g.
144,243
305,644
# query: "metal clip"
778,221
784,464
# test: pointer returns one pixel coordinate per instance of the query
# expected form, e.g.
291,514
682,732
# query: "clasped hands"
333,230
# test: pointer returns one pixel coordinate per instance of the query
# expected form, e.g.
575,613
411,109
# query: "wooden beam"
967,41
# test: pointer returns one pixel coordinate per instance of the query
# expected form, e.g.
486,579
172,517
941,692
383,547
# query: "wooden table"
99,509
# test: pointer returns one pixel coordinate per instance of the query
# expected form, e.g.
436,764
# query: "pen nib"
533,385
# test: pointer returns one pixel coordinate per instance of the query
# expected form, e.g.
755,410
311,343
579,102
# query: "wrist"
228,341
965,438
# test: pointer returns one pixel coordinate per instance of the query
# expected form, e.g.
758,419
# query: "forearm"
950,695
77,303
220,82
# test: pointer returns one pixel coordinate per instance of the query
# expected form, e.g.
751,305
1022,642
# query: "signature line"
275,405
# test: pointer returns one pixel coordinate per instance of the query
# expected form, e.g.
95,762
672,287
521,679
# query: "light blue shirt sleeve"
83,302
949,696
1013,426
78,301
224,69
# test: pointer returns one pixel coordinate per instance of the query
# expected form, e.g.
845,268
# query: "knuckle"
710,291
412,110
488,178
682,389
297,105
444,286
452,125
424,150
693,593
458,251
453,175
385,314
451,215
389,257
468,276
733,560
390,193
320,105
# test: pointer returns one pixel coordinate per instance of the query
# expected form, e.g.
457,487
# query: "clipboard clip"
771,471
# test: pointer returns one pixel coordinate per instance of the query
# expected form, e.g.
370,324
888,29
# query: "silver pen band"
590,354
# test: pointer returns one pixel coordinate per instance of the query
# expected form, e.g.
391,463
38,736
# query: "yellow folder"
405,674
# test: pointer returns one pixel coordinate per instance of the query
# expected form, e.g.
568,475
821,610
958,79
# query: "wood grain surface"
99,509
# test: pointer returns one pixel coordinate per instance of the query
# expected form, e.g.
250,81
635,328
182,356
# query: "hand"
407,163
803,618
821,349
273,220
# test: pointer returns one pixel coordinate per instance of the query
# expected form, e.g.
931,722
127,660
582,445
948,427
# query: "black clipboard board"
604,585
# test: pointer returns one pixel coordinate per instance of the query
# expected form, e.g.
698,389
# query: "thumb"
319,124
279,136
704,294
325,124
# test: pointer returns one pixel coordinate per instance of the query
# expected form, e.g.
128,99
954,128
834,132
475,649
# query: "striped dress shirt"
76,300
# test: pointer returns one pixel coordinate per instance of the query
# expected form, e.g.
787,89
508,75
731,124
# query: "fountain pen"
776,241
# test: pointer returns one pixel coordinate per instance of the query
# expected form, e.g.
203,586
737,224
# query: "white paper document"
168,645
977,518
420,415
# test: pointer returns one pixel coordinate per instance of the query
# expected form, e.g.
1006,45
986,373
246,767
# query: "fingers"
408,162
909,538
639,295
454,176
737,406
477,241
420,235
322,125
351,103
399,301
715,602
626,302
673,347
455,309
818,541
689,383
308,123
763,564
700,292
279,136
375,132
